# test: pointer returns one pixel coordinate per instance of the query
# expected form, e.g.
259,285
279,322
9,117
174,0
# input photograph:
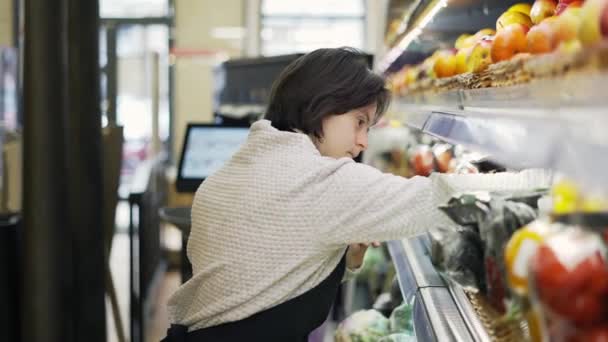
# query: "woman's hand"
355,254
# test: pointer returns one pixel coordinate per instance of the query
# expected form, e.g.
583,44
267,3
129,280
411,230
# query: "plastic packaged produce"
521,248
444,157
422,161
569,285
363,326
400,320
467,209
501,221
458,253
528,197
403,337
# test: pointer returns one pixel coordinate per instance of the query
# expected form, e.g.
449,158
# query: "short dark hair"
321,83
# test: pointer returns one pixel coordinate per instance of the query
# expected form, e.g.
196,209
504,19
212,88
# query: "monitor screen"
206,148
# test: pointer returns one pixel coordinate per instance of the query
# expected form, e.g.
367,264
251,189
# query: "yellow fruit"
571,46
411,75
542,9
463,41
566,26
590,30
461,59
445,65
509,18
521,8
480,57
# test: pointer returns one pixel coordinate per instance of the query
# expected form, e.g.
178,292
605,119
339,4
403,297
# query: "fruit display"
537,267
472,255
557,269
407,152
558,35
569,280
550,272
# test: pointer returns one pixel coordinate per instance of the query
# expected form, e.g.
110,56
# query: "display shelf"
439,22
557,124
440,314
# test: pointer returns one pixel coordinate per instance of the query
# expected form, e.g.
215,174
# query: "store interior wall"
194,24
197,53
6,22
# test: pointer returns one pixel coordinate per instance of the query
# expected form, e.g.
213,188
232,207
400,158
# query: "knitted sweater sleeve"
361,204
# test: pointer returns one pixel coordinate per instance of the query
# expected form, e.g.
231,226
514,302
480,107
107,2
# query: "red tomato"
598,334
547,269
579,295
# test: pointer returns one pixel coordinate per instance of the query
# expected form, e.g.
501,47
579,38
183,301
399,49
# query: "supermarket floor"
119,266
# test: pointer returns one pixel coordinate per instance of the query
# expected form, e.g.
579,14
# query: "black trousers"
293,320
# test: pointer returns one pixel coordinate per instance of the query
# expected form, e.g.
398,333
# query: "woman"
270,230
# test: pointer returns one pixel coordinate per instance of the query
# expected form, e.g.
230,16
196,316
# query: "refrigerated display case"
534,111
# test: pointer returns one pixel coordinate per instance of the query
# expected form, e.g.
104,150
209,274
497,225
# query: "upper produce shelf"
555,123
433,23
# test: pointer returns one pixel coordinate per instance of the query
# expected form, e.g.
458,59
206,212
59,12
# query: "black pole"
47,265
63,250
111,73
83,142
172,71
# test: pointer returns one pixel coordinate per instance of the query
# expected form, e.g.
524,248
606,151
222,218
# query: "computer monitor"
205,149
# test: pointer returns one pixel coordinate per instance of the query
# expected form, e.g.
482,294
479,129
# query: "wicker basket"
498,328
519,70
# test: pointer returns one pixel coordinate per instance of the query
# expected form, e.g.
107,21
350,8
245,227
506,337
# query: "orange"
540,39
508,42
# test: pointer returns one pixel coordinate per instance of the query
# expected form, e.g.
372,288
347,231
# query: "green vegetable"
363,326
401,319
404,337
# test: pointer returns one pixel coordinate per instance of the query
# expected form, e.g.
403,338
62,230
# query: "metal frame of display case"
442,311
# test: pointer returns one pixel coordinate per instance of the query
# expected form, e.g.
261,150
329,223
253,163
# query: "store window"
135,83
133,8
289,26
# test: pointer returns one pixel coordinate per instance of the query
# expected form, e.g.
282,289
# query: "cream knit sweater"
276,219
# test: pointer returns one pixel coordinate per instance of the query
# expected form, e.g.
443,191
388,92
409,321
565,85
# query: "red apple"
604,21
562,6
422,161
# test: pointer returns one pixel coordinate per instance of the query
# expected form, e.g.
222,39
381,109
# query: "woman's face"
345,135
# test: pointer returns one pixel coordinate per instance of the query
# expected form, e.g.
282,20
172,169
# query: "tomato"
495,283
597,334
579,295
548,271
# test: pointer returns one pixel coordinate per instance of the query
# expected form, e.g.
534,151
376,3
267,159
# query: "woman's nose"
362,140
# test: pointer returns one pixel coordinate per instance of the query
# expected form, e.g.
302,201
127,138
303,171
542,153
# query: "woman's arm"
360,204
